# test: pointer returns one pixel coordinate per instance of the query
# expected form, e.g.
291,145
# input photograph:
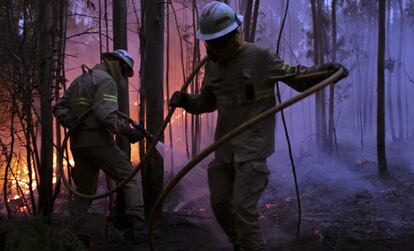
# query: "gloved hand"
178,99
134,135
68,121
333,67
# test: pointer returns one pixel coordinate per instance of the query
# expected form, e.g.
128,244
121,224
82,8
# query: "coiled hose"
144,161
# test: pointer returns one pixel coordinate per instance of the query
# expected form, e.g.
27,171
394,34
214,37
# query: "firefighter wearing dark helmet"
239,84
92,139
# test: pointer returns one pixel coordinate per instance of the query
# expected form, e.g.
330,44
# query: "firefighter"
239,83
92,139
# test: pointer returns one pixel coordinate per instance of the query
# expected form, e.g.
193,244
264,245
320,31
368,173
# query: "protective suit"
92,139
239,83
241,86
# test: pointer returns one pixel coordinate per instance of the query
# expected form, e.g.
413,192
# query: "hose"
230,135
144,161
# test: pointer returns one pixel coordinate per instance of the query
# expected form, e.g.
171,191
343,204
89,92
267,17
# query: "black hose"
292,162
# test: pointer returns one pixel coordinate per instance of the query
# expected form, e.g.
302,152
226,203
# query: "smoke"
351,169
192,191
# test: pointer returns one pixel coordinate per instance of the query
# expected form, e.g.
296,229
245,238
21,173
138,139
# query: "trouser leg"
115,163
85,175
250,181
220,180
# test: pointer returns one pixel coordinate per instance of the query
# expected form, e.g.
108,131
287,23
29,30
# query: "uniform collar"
101,67
228,53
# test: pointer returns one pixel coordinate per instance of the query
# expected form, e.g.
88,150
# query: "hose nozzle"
140,127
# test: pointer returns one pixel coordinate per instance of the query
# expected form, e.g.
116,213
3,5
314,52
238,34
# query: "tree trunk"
322,41
390,72
60,81
399,62
119,22
382,160
318,59
45,83
106,24
167,86
152,63
252,36
248,20
121,42
332,86
195,86
180,39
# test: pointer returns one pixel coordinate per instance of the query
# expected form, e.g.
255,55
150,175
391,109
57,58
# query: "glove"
178,99
68,121
333,67
133,135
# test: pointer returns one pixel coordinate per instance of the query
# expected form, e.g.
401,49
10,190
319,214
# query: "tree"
152,71
320,109
119,13
61,21
390,66
250,21
44,81
167,82
331,125
399,63
382,160
195,86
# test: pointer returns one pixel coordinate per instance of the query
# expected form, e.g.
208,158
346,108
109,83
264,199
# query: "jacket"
95,90
239,88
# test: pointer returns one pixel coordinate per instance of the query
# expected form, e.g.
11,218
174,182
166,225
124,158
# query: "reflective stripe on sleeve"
287,68
110,98
81,101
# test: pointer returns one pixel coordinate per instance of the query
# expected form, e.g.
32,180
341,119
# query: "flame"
18,185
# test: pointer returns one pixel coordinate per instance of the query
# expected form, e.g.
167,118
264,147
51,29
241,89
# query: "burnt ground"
362,220
346,206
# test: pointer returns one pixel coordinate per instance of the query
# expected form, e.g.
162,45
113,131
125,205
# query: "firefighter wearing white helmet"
217,19
239,84
92,140
126,61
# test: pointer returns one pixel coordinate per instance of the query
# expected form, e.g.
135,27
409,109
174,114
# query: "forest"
341,176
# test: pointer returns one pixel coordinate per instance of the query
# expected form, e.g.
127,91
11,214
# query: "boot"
120,222
136,231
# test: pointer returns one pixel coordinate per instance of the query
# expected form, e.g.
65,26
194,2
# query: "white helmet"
217,19
124,56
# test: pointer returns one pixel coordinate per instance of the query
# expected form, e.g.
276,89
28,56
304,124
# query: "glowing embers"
22,185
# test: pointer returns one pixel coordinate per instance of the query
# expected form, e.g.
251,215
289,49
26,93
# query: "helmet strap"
238,21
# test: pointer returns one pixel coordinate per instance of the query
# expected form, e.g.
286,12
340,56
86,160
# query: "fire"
18,177
22,189
18,183
273,204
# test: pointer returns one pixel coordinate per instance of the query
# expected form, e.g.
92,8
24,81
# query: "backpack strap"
85,69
